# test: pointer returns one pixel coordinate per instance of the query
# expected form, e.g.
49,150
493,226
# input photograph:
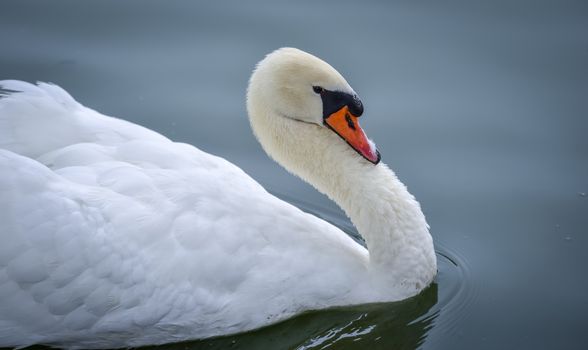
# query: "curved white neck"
379,205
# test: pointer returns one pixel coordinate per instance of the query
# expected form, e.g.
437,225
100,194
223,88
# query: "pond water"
480,107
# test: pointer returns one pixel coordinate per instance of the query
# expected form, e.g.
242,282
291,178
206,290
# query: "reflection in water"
400,325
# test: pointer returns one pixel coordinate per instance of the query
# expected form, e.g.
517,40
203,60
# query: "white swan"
112,236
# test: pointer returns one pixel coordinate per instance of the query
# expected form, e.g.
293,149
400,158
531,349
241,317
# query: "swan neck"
378,204
401,252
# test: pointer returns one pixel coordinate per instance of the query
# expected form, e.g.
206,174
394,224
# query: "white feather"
114,236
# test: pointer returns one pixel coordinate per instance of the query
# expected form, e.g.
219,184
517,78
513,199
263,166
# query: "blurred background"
481,107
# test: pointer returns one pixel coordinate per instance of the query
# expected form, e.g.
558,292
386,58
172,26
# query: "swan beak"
346,125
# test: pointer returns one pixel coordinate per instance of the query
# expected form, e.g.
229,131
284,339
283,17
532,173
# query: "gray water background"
481,107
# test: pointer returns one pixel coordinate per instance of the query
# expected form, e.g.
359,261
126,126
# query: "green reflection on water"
399,325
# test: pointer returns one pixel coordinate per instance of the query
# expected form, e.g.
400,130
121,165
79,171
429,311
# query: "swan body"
114,236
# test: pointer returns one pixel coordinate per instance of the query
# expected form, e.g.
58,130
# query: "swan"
114,236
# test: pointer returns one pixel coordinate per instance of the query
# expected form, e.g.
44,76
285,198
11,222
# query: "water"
480,107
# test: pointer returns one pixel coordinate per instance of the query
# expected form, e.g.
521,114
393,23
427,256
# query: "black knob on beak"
335,100
356,107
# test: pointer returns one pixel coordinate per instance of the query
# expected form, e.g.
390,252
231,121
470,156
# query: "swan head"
291,89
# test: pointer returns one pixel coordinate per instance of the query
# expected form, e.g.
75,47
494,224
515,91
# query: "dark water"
480,106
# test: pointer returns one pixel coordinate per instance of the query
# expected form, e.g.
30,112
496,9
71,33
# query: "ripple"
456,290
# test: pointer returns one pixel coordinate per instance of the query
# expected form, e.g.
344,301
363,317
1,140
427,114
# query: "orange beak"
346,125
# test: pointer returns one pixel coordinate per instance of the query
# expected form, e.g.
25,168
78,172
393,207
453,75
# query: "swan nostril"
350,123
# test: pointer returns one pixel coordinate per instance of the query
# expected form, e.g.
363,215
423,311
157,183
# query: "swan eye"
317,89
